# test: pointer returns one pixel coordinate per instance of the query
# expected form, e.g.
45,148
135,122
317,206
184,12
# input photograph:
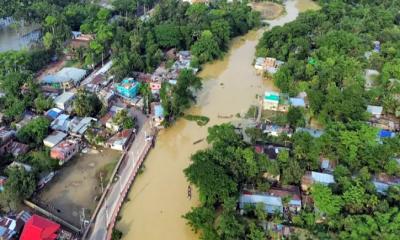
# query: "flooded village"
119,166
230,87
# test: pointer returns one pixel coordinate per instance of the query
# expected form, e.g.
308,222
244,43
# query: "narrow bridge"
105,215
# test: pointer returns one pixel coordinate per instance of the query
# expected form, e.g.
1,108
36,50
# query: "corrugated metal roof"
313,132
323,178
64,97
297,102
272,203
381,187
376,110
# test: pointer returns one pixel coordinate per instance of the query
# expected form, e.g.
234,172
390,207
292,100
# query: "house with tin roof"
61,123
292,193
120,140
272,204
311,178
375,111
54,138
316,133
65,101
383,181
66,78
53,113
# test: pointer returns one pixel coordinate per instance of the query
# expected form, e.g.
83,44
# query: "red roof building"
40,228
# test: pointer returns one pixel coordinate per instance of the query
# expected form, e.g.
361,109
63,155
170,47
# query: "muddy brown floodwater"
158,197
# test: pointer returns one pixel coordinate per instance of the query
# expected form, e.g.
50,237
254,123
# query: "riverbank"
158,198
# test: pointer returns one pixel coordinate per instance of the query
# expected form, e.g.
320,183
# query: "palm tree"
146,93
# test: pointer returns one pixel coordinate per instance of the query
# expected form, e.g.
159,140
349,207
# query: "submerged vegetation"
200,120
326,53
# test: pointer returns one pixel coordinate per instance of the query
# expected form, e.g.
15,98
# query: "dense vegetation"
324,55
204,29
134,39
230,164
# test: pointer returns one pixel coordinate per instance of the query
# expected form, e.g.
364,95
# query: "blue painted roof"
386,134
53,113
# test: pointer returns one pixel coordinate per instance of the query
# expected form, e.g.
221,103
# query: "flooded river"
158,198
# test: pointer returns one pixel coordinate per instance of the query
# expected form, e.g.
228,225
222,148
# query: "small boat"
198,141
222,116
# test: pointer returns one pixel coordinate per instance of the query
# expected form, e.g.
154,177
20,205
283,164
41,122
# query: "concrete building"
65,150
108,119
120,140
271,101
128,88
40,228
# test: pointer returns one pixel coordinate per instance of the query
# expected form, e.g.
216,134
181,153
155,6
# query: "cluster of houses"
267,65
69,133
281,102
289,200
380,119
25,226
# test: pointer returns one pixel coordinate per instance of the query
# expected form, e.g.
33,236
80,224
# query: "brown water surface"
158,198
